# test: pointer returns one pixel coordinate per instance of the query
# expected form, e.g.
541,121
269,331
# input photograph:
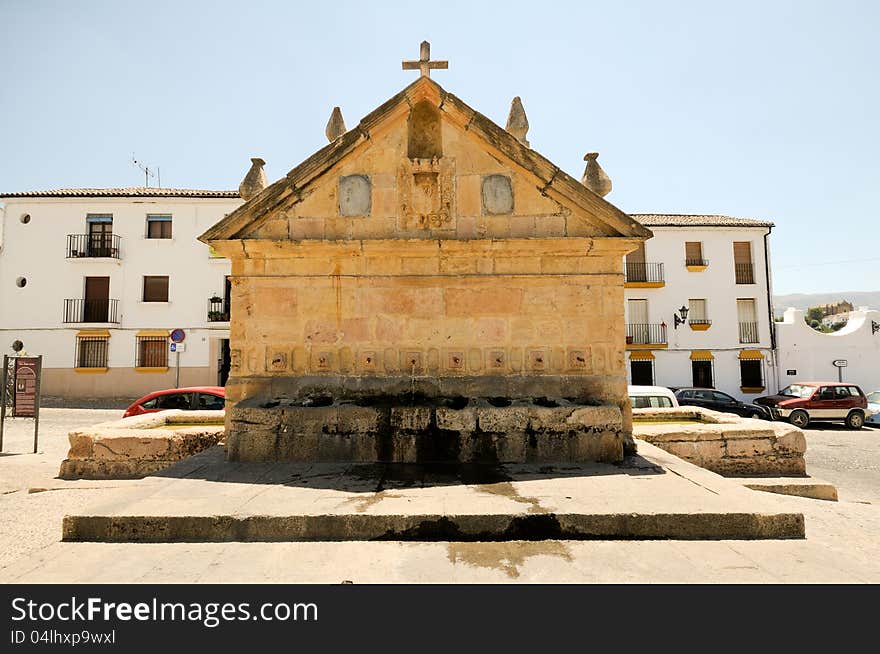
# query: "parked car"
651,397
874,408
709,398
196,398
801,402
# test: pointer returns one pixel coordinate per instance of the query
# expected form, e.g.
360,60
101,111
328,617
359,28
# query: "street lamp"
684,314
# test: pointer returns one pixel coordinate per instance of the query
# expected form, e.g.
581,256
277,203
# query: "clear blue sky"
752,109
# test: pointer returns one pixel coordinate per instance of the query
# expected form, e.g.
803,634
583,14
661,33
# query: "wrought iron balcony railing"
645,334
643,272
93,245
748,332
218,310
745,273
99,311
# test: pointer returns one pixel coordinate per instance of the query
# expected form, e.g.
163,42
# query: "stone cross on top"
424,64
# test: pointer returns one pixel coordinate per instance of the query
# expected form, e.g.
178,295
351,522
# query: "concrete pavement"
840,547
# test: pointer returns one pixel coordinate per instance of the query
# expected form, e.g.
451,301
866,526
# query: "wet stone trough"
418,429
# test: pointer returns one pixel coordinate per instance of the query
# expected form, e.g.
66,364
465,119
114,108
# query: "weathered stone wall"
723,442
446,431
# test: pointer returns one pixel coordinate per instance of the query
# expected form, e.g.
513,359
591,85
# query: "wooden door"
97,299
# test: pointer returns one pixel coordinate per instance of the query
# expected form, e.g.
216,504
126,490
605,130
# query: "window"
748,320
91,351
209,402
702,375
693,254
155,289
158,225
100,237
152,352
742,262
697,313
636,270
650,402
175,401
642,372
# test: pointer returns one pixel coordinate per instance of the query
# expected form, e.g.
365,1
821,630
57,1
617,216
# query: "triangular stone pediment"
425,165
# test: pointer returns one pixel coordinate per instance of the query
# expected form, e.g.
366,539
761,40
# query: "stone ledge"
135,447
802,487
723,442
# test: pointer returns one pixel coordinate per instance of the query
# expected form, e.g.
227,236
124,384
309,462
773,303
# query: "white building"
806,354
718,269
95,280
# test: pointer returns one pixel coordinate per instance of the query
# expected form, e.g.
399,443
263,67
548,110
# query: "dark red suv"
802,402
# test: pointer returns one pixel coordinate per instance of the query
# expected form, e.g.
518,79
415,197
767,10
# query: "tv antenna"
147,173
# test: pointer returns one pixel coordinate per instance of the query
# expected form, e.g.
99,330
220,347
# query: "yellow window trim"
641,356
644,284
696,268
90,370
153,332
93,333
700,327
751,354
752,389
702,355
141,369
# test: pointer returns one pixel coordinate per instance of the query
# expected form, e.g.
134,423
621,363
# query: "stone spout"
517,122
254,181
594,177
335,126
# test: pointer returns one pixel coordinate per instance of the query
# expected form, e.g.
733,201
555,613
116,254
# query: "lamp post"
684,314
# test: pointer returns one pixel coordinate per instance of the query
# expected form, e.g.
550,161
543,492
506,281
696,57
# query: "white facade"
44,315
809,355
727,321
47,313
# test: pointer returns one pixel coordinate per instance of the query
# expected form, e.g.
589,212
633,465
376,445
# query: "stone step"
653,495
810,487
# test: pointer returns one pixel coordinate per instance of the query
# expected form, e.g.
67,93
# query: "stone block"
460,420
503,420
410,418
754,447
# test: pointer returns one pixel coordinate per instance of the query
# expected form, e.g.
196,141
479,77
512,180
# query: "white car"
873,409
651,397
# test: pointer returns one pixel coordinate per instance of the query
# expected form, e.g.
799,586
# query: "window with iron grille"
158,225
751,373
155,288
642,372
152,352
91,351
693,253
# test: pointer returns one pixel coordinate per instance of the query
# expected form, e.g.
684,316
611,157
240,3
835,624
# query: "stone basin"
132,448
724,442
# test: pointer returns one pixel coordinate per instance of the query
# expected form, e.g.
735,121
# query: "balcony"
748,332
218,310
90,311
93,246
643,275
696,265
644,336
699,324
745,273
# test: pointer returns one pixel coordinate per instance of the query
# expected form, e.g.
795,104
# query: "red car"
803,402
195,398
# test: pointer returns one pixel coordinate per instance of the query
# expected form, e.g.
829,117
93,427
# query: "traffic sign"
839,363
178,335
178,347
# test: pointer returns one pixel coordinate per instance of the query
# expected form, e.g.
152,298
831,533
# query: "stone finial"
517,123
594,177
254,181
335,126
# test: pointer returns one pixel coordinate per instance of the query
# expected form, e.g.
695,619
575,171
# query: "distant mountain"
870,299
